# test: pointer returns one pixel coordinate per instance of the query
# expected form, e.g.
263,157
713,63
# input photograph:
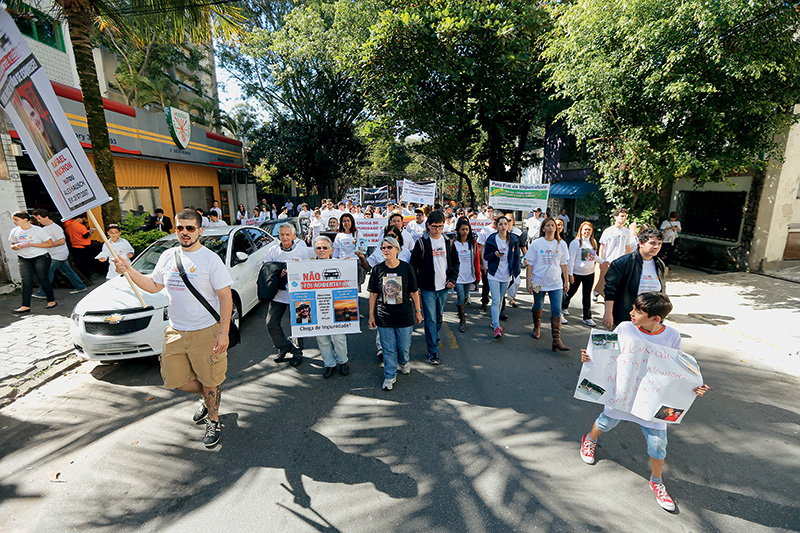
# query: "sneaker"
213,433
498,332
565,312
503,316
344,369
587,450
388,384
403,369
78,291
328,372
40,296
564,319
662,497
589,322
281,357
201,414
433,359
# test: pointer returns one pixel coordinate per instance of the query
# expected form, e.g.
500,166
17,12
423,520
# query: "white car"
110,324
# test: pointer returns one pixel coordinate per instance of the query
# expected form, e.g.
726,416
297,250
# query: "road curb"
18,386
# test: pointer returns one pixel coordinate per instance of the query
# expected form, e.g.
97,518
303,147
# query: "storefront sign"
180,126
650,381
518,196
323,297
27,96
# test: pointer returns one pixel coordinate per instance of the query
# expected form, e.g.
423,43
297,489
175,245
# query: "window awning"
572,189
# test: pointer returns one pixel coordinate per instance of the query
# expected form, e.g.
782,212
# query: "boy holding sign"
649,310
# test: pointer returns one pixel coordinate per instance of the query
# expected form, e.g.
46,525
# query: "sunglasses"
390,247
190,229
323,248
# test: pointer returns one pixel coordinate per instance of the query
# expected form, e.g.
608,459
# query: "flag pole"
116,256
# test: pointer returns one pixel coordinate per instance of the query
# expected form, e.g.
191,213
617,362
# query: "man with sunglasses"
195,356
435,261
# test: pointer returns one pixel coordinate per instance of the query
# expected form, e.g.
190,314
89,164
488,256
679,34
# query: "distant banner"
27,96
419,193
371,229
378,196
354,195
650,381
323,297
518,196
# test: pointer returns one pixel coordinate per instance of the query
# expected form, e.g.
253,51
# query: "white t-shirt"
282,216
465,259
534,225
581,258
670,234
217,210
305,214
206,272
485,233
565,218
667,337
218,224
649,281
344,246
240,216
123,248
60,252
615,239
540,254
415,229
32,235
439,263
299,252
502,273
331,213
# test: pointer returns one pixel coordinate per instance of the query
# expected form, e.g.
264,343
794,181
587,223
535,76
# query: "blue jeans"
498,289
555,301
433,311
333,349
462,292
656,438
66,269
396,344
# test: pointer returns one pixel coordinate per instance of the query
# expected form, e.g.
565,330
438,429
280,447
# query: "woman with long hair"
344,246
548,259
582,255
241,214
31,244
469,270
501,253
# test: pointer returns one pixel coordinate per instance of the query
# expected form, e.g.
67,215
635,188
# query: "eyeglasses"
437,226
323,247
190,229
390,247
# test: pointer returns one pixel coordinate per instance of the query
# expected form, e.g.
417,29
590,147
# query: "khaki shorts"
187,356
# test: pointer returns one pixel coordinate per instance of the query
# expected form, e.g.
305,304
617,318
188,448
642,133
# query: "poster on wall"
27,96
650,381
518,196
323,297
419,193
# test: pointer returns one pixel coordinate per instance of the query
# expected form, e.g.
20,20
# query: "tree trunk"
463,175
750,219
80,28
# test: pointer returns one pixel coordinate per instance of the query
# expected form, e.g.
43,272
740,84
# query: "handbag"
233,331
536,287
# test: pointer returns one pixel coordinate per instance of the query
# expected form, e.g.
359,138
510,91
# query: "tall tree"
663,89
174,19
461,70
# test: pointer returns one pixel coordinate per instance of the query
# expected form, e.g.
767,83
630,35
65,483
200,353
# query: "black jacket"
622,283
270,280
422,261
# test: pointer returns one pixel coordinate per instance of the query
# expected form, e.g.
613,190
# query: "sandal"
21,311
49,306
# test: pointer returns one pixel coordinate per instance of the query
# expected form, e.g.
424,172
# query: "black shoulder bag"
233,332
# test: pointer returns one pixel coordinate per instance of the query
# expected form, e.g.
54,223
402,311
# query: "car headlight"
76,318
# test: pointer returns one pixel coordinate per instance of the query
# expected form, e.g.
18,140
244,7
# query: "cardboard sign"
650,381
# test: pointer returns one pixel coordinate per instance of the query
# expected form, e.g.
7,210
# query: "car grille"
122,328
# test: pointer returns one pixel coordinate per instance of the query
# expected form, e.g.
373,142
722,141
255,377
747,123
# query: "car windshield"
146,262
273,226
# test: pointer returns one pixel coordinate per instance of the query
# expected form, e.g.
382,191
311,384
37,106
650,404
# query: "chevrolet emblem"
113,319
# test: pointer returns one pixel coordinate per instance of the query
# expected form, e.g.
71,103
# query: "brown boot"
462,318
555,326
537,324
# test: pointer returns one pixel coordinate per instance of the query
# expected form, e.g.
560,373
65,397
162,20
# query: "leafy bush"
133,231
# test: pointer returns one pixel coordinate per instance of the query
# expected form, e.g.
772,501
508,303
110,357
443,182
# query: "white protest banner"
419,193
29,100
650,381
371,229
518,196
323,297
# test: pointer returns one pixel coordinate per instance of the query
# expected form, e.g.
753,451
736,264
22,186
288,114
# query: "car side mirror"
241,257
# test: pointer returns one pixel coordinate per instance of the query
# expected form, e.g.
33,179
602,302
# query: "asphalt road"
488,441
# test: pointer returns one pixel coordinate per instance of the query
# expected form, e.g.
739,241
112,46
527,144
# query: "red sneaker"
498,332
662,496
587,450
